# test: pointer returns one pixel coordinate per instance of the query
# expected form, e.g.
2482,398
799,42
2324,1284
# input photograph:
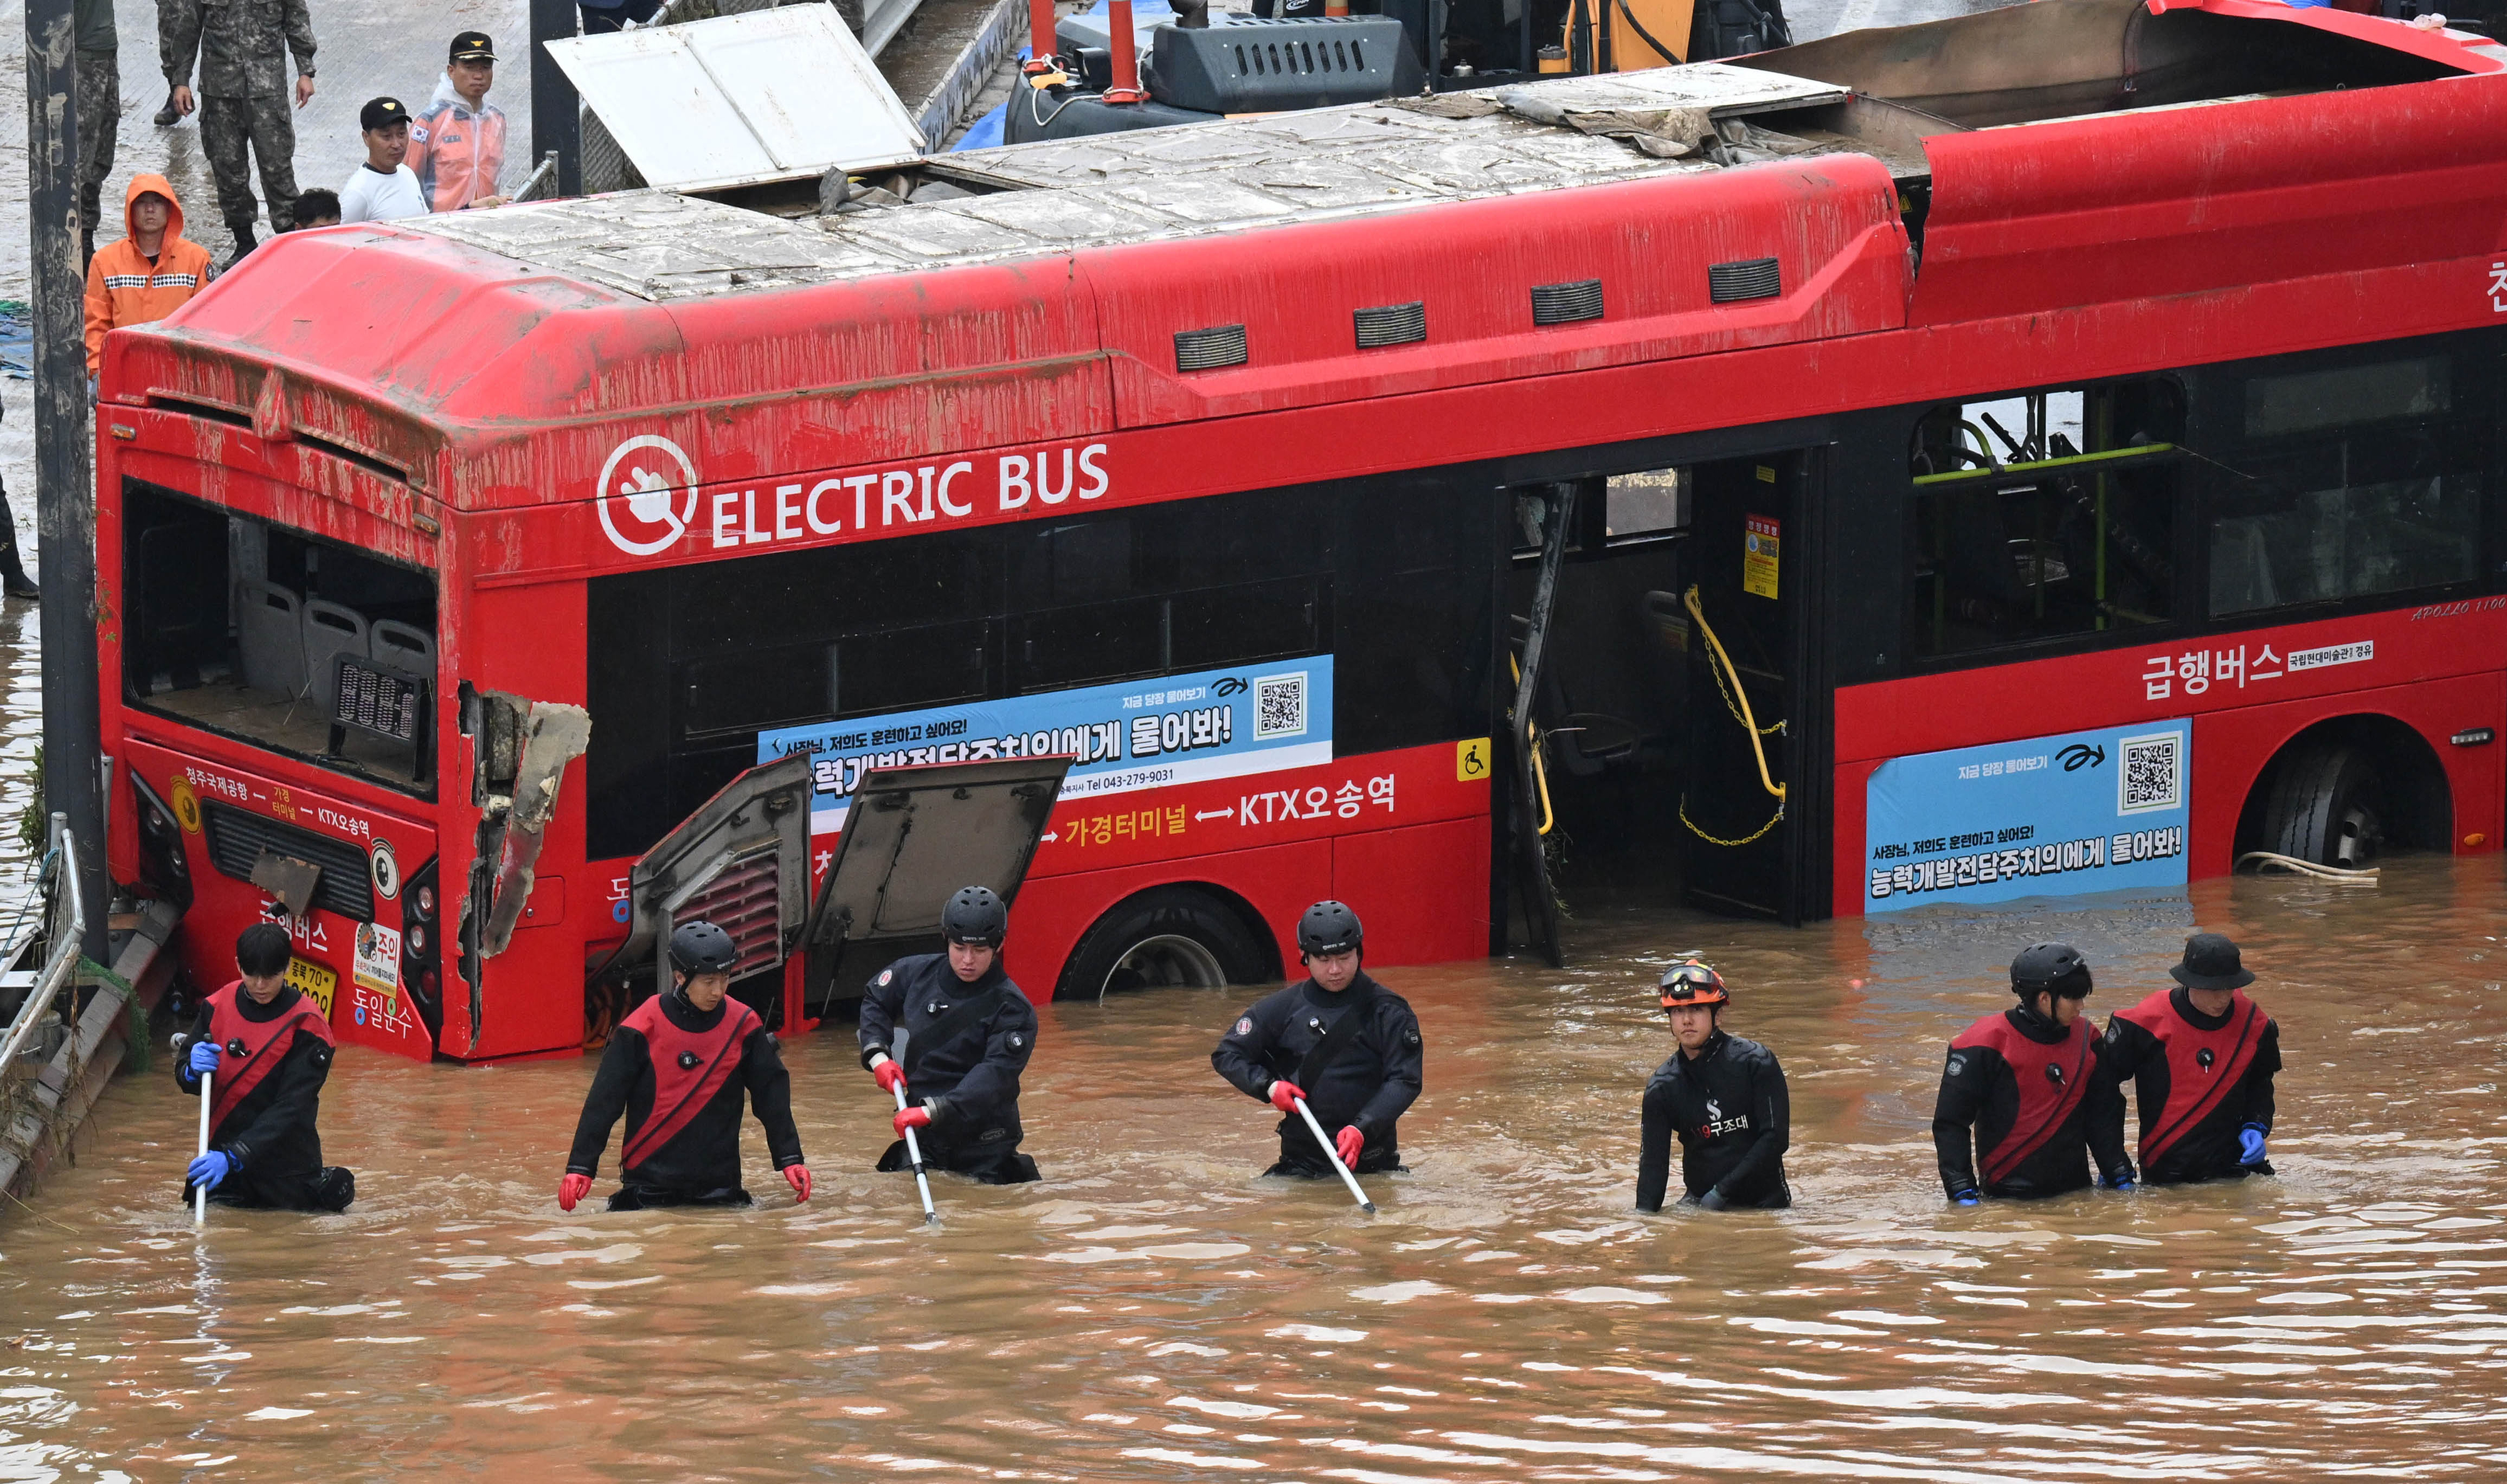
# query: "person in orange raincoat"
148,274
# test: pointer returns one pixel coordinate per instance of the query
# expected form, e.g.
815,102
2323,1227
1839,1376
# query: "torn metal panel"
553,735
767,95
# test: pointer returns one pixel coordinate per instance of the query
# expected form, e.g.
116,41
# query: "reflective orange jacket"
124,288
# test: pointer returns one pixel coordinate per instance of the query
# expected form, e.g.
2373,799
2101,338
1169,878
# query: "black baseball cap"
379,112
473,47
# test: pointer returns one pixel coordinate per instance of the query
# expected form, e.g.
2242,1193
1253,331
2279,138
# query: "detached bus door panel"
1741,848
914,837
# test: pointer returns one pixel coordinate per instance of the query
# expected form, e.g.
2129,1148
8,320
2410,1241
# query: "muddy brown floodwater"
1156,1310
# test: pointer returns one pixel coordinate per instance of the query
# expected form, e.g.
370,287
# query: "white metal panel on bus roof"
765,95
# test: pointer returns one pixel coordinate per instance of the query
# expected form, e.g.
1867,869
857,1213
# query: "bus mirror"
550,737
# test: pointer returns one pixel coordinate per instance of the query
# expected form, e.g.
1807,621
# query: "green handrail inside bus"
2108,455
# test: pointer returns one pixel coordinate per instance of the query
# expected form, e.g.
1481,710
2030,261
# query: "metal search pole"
1355,1191
64,480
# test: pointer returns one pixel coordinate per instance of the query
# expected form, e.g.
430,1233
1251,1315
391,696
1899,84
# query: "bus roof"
1152,185
1044,290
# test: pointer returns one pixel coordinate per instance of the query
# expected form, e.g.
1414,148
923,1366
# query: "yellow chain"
1731,845
1717,670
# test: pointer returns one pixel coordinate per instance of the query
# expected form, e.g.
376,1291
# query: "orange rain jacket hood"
124,288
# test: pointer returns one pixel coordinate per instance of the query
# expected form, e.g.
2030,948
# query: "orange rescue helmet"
1691,982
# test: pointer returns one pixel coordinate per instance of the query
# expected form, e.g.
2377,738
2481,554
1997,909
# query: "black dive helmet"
976,916
702,948
2041,968
1329,928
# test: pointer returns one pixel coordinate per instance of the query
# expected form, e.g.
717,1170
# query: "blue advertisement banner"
1136,734
2046,817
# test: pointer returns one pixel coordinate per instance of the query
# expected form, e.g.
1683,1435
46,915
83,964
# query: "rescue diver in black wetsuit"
2201,1058
969,1034
268,1050
1340,1040
677,1067
2030,1085
1725,1098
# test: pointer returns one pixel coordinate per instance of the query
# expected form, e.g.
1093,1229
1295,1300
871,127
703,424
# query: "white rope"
2345,875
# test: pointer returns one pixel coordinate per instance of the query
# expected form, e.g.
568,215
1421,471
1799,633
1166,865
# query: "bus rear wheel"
2329,805
1170,937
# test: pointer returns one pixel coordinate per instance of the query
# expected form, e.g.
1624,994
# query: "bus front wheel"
2328,805
1170,937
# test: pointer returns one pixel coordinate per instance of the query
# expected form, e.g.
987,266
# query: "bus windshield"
305,646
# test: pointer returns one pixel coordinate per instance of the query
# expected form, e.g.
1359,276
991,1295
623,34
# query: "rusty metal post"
64,478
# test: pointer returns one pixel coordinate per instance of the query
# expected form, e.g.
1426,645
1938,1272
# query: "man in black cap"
1346,1044
457,145
2024,1096
1725,1098
677,1067
384,189
953,1031
2202,1057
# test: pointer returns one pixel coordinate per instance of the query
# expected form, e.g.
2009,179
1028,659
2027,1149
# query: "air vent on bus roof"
1747,279
237,840
1212,349
1391,324
1564,303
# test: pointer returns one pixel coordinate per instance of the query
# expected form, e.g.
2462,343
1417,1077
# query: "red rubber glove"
910,1118
1348,1142
1284,1095
573,1188
888,1075
798,1178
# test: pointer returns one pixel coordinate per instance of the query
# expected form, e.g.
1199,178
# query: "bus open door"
1751,806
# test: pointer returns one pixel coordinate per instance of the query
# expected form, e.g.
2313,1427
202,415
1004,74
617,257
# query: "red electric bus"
2046,452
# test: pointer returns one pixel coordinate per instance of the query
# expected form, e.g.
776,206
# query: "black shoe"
16,585
168,116
244,241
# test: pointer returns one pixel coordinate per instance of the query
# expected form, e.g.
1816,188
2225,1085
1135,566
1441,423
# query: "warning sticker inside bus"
2045,816
1133,735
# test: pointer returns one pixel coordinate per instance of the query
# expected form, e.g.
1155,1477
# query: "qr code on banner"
1280,705
2153,776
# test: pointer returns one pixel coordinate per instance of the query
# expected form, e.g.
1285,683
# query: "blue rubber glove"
1964,1198
211,1169
2250,1145
2121,1179
1713,1200
203,1057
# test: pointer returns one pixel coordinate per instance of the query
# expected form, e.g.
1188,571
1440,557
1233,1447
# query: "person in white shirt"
384,189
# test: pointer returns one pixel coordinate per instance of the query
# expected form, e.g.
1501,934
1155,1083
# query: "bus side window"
2044,516
2351,482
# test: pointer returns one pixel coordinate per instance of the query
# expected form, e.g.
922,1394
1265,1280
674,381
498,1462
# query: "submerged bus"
2044,452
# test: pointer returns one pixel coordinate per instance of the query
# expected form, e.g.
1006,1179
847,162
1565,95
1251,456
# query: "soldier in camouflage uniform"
242,47
99,112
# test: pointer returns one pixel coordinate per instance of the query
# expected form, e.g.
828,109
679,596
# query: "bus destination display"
379,701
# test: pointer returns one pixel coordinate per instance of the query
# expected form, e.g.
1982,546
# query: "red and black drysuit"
966,1044
2199,1079
679,1074
2022,1101
264,1099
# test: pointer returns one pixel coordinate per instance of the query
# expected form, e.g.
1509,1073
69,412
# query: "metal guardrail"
68,929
